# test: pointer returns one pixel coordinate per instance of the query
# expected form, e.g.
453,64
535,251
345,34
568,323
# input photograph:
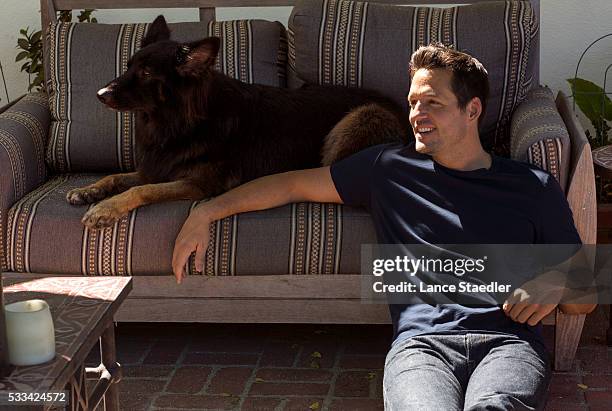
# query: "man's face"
439,124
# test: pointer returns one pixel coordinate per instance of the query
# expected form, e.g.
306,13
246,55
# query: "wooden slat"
204,310
141,4
48,14
581,186
581,198
260,286
567,337
207,14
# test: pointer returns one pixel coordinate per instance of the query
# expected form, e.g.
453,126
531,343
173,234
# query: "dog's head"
160,70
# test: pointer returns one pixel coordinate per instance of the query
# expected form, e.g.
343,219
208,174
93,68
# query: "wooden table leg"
109,359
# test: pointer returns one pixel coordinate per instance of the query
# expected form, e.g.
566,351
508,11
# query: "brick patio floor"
302,367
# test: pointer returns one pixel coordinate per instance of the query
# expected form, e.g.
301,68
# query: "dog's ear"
157,31
197,57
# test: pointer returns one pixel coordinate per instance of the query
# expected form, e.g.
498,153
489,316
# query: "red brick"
230,380
132,402
599,399
576,398
221,359
304,404
598,381
260,404
277,354
129,352
298,388
353,384
564,406
311,351
165,352
373,347
189,380
226,344
563,384
595,361
197,401
137,385
364,404
146,371
376,362
293,374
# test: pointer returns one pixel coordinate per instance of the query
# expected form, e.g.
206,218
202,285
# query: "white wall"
567,27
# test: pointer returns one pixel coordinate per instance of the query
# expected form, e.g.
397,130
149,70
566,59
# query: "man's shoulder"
530,173
403,152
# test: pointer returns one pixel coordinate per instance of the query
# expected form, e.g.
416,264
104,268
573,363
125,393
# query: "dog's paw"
101,215
85,195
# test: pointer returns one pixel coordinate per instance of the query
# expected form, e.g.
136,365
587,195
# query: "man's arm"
266,192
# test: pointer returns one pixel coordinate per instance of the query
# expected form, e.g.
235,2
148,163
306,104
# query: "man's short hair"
469,77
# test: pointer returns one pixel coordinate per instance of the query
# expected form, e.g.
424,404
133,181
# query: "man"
442,189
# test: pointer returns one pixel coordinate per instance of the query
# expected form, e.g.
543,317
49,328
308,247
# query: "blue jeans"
473,371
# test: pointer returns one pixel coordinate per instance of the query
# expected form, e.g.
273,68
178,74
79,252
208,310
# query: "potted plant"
30,44
596,105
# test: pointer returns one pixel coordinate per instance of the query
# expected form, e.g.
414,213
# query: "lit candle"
29,332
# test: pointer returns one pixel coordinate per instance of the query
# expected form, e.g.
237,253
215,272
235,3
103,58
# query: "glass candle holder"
29,332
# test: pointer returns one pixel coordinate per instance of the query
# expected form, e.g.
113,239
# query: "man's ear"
474,108
197,57
157,31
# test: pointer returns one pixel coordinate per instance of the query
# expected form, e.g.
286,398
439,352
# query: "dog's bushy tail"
363,127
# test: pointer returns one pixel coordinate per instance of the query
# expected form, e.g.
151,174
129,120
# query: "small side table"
82,309
602,160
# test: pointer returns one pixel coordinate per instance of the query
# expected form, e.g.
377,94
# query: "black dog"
200,133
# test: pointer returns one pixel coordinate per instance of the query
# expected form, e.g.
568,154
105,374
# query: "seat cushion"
361,44
45,235
86,136
538,134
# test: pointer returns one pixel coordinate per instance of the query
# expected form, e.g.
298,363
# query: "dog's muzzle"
105,95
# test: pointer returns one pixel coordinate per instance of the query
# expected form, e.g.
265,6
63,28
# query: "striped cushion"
23,135
44,234
368,45
85,135
538,134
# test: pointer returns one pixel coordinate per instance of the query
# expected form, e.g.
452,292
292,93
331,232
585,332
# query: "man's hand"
535,299
315,185
194,236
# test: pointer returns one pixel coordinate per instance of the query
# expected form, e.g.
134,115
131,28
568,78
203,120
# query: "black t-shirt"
414,200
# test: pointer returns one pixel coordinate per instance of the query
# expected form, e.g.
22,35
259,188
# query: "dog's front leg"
103,188
107,211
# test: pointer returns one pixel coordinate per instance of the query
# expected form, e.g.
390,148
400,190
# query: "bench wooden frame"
317,299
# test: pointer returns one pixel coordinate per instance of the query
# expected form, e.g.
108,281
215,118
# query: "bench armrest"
581,191
24,129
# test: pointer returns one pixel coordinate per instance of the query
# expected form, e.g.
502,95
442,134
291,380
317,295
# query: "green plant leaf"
25,66
23,43
65,16
589,97
22,55
36,36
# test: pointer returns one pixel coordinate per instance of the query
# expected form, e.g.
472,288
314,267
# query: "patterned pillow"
538,134
85,135
361,44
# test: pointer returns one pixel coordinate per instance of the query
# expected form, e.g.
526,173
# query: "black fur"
197,124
